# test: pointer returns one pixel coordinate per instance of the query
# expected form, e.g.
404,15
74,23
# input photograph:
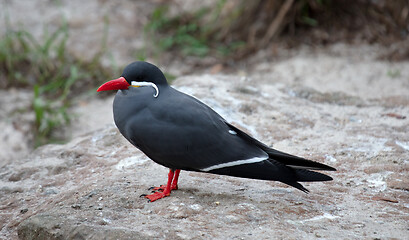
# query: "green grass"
190,34
393,73
51,72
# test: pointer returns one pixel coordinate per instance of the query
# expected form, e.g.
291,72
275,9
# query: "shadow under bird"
181,133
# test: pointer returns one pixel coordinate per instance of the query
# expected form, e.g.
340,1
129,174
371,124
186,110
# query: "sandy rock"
336,105
93,183
57,227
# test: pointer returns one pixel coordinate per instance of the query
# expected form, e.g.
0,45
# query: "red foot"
157,195
164,191
162,188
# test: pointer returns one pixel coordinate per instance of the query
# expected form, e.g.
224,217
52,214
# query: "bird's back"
178,131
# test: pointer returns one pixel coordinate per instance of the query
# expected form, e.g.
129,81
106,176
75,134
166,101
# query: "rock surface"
91,186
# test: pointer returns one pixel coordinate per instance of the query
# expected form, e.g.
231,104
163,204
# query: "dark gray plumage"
180,132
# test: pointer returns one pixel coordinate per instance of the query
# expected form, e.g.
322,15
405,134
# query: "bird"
180,132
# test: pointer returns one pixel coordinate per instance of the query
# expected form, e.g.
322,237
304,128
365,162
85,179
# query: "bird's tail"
296,162
280,166
301,168
274,170
303,175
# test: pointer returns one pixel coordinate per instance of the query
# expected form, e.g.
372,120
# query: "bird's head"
137,74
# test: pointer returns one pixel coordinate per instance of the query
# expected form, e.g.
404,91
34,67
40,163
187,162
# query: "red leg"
173,186
175,180
166,192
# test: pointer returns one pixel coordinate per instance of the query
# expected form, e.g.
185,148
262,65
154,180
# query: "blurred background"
53,54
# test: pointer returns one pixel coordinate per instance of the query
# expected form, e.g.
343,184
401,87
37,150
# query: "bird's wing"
284,158
183,133
279,166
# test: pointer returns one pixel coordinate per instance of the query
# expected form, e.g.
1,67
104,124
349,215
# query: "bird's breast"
128,106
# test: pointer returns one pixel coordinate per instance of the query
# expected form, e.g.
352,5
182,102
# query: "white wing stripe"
235,163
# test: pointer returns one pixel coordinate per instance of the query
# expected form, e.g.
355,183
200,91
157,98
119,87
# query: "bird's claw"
155,196
156,189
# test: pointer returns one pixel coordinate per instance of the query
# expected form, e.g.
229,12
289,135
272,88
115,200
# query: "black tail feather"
273,170
280,166
310,176
297,162
303,175
284,158
298,186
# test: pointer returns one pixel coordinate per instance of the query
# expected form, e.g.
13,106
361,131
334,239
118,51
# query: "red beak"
115,84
